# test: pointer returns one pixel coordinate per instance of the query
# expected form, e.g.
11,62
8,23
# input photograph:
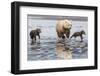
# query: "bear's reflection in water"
63,51
50,49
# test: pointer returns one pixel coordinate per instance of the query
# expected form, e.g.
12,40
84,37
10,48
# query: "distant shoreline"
55,17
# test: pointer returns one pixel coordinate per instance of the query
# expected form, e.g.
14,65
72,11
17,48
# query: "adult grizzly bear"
63,28
34,33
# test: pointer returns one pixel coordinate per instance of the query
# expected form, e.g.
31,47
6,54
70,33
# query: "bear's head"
67,24
38,30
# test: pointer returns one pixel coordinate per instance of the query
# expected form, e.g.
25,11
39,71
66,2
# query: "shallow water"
49,49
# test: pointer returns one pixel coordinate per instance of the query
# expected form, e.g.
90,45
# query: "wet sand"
51,50
48,48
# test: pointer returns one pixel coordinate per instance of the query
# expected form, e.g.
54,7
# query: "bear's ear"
68,21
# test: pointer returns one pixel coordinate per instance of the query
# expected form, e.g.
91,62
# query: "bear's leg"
71,36
68,34
35,38
39,37
81,38
63,38
74,37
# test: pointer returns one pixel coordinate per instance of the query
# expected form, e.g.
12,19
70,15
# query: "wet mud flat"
50,49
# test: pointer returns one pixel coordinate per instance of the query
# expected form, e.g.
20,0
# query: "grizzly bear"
35,33
76,34
63,28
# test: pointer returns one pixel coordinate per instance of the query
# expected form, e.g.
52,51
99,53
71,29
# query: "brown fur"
78,34
63,28
35,33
